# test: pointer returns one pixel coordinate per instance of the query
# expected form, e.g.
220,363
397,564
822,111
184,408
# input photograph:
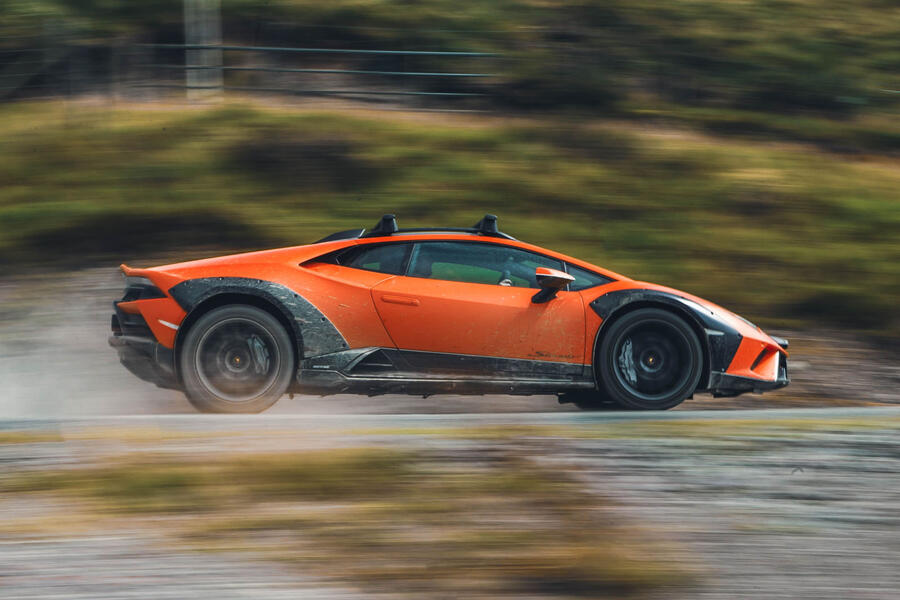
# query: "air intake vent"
759,359
375,362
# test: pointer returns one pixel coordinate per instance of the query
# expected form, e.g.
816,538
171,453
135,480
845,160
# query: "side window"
584,279
469,262
384,258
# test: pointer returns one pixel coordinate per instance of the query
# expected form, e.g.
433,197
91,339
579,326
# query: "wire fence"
151,71
338,72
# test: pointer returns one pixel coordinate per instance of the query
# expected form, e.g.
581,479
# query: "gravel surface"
763,504
793,513
809,518
121,567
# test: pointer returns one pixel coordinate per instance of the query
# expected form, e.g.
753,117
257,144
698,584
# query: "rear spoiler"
163,281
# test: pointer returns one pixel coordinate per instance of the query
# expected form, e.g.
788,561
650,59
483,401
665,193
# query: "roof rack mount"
486,226
387,226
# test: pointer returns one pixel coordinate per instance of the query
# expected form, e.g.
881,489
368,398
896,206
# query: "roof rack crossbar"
350,234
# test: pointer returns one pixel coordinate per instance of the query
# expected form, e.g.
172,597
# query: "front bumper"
140,353
723,384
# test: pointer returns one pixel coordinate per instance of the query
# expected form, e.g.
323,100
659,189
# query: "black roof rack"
486,226
342,235
388,226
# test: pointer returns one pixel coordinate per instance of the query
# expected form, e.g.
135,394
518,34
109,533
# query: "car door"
342,290
473,299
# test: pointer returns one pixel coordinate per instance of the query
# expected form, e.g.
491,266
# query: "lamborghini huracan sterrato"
430,311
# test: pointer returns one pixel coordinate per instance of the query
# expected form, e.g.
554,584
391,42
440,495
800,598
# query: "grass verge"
433,525
788,236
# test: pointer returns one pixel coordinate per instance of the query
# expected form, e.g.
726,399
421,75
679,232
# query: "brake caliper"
626,362
260,354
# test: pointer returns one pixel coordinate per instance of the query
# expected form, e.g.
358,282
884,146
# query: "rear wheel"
650,359
236,359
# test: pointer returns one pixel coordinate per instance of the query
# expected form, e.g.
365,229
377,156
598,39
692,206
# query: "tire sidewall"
605,366
204,399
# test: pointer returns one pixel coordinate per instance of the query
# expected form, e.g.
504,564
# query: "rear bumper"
727,385
141,353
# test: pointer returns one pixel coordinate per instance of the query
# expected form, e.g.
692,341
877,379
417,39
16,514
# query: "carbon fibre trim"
147,359
326,383
723,385
317,335
416,372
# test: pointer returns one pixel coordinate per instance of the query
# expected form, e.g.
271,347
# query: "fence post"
203,66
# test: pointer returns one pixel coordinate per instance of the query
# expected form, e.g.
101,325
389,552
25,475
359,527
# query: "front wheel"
650,359
236,359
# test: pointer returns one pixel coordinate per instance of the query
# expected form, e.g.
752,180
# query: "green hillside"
785,233
776,56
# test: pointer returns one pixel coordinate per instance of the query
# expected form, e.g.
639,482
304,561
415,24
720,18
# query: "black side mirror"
551,281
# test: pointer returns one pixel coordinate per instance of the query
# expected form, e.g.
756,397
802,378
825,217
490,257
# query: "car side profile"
430,311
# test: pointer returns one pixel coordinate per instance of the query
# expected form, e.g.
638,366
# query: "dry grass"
29,437
429,524
712,429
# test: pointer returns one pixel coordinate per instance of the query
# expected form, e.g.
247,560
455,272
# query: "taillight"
140,288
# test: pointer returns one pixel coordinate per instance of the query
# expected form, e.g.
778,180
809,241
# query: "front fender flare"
720,339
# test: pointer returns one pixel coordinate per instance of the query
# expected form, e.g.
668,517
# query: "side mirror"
551,281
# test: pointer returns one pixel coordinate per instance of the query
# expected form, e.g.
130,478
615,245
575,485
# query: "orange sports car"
430,311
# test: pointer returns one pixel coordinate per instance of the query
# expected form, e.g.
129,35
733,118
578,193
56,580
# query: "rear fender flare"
314,333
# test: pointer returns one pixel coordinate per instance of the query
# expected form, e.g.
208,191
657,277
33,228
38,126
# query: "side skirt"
375,371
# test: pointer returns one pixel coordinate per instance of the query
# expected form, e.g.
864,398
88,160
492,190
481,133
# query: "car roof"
487,226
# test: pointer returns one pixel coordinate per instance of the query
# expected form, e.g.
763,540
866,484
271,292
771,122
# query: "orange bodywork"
480,319
373,309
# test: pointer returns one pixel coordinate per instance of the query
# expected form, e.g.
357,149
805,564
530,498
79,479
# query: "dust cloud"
55,361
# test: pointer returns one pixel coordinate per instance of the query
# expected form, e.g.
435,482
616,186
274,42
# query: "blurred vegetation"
783,233
436,525
829,56
746,433
150,484
748,152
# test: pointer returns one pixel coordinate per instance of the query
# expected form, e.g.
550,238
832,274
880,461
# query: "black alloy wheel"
649,359
236,359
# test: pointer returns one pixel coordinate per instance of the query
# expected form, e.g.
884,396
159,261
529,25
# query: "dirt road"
768,504
781,503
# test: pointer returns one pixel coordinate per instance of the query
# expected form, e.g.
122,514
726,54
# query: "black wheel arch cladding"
718,340
314,333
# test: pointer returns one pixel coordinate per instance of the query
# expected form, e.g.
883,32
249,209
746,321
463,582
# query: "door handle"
405,300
